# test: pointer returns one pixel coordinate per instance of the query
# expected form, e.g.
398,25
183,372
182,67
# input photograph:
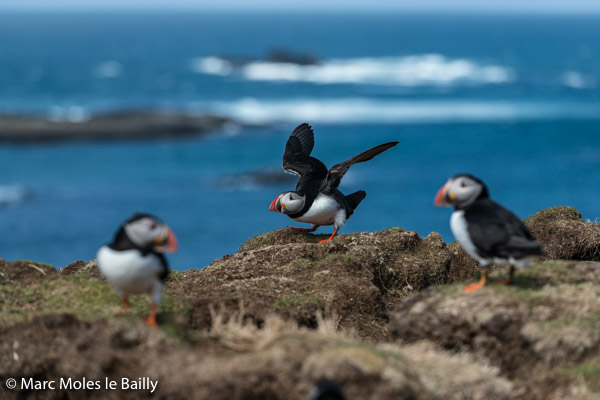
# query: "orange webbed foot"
151,320
477,285
125,302
330,237
509,280
473,287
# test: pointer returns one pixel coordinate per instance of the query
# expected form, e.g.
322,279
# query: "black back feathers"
497,232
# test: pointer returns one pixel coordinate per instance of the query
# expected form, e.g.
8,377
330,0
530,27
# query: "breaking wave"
577,80
416,70
13,194
357,110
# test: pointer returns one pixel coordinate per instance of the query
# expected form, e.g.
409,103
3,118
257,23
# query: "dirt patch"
356,279
233,362
24,272
533,331
83,267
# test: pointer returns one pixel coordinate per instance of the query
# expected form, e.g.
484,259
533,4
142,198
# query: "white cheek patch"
466,195
133,235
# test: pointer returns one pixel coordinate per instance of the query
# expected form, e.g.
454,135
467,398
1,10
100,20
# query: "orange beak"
274,205
168,245
440,197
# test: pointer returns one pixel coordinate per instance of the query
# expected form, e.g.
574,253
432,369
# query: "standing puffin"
317,199
133,263
490,233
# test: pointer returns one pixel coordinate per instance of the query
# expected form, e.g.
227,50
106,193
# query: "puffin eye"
152,226
463,184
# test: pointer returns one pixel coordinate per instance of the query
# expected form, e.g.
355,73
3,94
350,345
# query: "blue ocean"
513,99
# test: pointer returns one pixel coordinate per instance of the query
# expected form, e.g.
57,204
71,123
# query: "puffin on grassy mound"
490,233
134,262
317,199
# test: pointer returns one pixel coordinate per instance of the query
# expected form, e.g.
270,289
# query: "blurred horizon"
309,6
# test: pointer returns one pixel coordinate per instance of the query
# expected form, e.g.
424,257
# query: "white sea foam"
358,110
416,70
577,80
211,66
75,114
12,194
108,69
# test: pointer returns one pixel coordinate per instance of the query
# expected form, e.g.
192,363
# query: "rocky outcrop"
356,279
540,331
382,314
116,125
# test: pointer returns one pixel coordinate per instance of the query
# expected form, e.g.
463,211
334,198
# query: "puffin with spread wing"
317,200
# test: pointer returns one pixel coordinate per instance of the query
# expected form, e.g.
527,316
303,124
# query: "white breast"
323,211
130,272
458,224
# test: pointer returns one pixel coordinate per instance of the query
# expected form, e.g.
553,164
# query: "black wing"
297,159
497,232
337,172
164,273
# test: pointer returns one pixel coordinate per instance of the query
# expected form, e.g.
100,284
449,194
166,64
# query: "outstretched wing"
300,143
337,172
297,159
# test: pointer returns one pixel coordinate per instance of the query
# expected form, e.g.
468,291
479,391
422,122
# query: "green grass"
296,301
175,276
302,263
81,295
554,213
395,229
589,372
587,323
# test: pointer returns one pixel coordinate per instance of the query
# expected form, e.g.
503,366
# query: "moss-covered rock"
565,235
356,278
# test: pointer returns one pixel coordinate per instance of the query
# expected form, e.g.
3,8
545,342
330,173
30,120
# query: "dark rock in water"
116,125
259,178
282,56
286,56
